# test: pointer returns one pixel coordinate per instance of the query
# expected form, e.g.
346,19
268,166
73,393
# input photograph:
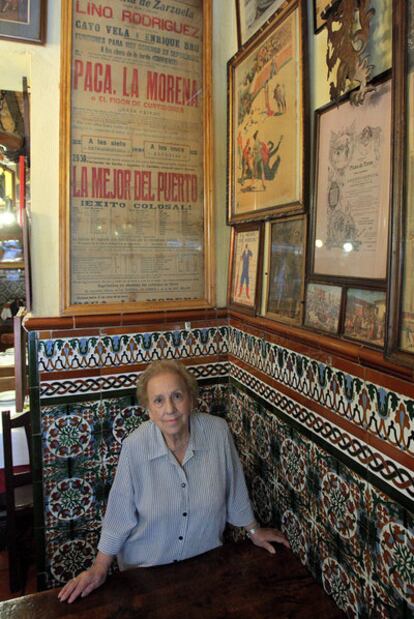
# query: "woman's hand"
263,537
86,581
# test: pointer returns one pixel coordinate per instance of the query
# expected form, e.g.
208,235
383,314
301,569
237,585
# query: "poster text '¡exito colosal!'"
126,184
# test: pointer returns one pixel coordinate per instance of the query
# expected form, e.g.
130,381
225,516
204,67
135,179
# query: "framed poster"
23,20
352,188
365,316
266,120
323,307
400,326
318,8
245,267
252,14
285,268
136,158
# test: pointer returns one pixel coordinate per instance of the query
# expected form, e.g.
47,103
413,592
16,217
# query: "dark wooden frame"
253,44
33,32
233,268
278,316
399,187
352,281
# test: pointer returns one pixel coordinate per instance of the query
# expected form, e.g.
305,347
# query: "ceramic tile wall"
308,474
357,542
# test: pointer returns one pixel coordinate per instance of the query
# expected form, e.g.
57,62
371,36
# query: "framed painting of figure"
252,14
267,134
245,267
23,20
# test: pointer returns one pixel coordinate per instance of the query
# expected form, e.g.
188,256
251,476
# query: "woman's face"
169,403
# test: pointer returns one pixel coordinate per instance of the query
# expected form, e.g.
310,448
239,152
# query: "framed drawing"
252,14
136,171
365,316
318,8
323,307
285,268
23,20
245,267
400,326
352,188
267,120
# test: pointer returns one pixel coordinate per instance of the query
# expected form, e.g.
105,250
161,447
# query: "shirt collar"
197,442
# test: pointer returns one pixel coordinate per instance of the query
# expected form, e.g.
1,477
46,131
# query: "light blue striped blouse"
158,511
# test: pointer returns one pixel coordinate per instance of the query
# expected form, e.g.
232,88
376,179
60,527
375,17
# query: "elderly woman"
178,481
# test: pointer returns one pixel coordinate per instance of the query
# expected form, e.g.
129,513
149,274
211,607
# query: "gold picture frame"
136,215
268,120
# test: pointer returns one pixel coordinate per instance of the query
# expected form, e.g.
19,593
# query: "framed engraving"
252,14
352,188
365,316
245,267
323,307
266,120
285,268
136,158
23,20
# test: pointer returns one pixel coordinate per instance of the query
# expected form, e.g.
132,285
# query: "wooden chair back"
19,498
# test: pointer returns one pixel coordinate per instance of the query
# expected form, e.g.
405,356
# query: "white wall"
40,64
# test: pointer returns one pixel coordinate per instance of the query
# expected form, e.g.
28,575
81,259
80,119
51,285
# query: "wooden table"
237,581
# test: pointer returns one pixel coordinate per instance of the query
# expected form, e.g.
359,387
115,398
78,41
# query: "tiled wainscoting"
327,447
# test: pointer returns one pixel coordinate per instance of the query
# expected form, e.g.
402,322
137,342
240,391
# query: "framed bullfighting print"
267,137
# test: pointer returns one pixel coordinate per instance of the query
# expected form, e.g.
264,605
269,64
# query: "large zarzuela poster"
137,135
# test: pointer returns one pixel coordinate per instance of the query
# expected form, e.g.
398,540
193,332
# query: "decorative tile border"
115,382
385,469
75,353
382,412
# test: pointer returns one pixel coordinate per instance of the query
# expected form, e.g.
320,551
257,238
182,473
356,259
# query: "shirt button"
180,538
185,513
183,485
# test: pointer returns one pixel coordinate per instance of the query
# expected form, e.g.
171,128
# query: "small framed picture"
323,307
252,14
23,20
365,316
285,268
245,267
